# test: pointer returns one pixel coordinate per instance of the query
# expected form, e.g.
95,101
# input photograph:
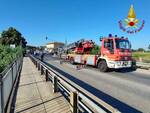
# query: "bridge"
30,85
34,95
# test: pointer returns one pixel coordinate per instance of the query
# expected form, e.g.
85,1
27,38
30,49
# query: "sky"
72,20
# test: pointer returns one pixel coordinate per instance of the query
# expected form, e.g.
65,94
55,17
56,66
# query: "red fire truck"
115,53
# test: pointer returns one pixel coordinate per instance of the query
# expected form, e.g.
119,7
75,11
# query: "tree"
23,42
12,36
141,50
134,50
149,47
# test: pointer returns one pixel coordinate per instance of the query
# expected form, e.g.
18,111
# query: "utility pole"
66,45
65,48
46,37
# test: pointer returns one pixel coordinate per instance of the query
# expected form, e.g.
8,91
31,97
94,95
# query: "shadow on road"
124,70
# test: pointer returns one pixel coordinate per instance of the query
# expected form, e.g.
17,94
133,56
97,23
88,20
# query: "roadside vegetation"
8,55
12,44
142,56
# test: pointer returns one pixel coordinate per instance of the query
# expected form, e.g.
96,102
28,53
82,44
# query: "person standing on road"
42,56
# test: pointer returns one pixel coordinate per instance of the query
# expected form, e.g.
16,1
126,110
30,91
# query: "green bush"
8,55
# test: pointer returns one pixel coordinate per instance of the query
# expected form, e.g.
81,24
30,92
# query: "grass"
144,56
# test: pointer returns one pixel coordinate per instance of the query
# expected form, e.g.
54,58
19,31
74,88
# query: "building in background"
52,47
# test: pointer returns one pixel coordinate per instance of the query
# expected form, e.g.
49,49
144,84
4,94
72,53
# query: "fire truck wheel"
102,65
133,67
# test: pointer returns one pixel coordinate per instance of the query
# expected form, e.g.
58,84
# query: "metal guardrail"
80,99
8,80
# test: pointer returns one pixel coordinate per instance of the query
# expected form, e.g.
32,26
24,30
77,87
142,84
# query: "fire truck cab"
115,53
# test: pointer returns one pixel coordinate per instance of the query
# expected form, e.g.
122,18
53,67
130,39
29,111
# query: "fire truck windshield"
123,44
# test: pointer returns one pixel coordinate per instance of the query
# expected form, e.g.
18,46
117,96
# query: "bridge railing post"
42,70
46,74
55,84
74,101
38,66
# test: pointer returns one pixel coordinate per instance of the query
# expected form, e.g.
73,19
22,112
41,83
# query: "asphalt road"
127,91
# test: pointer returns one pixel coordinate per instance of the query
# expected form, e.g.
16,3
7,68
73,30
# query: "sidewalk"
35,95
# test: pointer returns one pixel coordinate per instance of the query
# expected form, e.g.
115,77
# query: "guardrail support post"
46,74
74,102
42,71
55,85
33,61
38,66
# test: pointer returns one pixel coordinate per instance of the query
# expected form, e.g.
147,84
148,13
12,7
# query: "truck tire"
133,67
102,65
